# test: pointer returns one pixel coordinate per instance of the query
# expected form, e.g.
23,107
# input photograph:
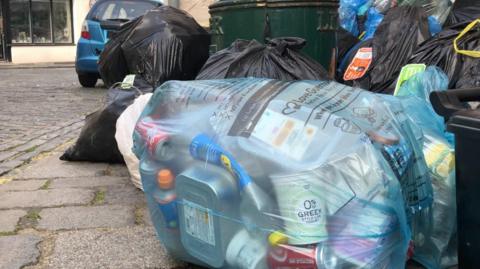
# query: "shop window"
41,21
62,21
20,21
41,24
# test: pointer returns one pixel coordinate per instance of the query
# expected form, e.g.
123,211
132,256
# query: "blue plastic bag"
348,12
418,89
374,18
434,229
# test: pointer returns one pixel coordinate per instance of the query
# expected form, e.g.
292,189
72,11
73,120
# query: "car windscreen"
119,10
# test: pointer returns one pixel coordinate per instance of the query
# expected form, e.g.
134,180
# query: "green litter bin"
315,21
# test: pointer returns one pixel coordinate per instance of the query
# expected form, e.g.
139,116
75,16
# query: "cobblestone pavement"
40,109
56,214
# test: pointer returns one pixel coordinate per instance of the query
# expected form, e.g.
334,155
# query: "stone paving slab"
119,170
122,248
9,165
18,250
86,182
4,155
22,185
52,167
124,195
9,219
147,220
81,217
45,198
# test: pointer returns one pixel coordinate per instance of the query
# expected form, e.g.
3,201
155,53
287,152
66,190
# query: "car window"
110,10
108,13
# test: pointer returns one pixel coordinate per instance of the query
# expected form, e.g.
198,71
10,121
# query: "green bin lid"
222,3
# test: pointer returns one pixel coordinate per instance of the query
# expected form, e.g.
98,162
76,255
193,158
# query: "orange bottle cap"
165,179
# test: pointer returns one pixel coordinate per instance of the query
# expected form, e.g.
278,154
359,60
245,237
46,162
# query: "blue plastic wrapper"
260,173
434,26
374,18
348,12
434,229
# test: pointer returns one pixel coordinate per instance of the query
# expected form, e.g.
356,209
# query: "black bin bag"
164,44
279,59
112,64
398,35
463,12
96,142
463,71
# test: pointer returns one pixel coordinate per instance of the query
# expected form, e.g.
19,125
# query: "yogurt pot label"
308,211
305,201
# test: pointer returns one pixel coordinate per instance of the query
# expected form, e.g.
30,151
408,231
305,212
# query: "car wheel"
87,80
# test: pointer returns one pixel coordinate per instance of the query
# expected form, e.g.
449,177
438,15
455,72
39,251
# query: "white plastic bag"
125,126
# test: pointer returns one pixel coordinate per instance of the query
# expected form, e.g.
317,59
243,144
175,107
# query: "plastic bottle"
169,236
246,252
166,197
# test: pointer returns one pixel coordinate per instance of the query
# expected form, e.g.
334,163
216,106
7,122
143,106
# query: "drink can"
292,257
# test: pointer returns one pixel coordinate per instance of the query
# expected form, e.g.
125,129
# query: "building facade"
35,31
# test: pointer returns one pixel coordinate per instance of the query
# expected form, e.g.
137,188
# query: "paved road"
56,214
39,109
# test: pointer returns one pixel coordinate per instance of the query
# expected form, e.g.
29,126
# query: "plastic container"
206,192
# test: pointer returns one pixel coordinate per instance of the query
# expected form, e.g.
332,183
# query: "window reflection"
20,21
62,21
41,21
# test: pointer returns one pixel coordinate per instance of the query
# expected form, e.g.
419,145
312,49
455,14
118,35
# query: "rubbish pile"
264,161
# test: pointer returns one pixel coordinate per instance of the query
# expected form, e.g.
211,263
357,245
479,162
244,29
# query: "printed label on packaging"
199,222
309,212
359,65
292,257
127,82
288,135
407,72
399,157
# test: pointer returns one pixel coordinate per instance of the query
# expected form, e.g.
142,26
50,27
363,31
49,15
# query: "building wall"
48,54
198,9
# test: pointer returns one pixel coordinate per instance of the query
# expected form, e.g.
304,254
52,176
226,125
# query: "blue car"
104,18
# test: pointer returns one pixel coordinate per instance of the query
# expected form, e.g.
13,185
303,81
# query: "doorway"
4,32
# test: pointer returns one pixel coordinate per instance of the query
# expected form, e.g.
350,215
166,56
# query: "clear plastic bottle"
246,252
170,237
166,197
